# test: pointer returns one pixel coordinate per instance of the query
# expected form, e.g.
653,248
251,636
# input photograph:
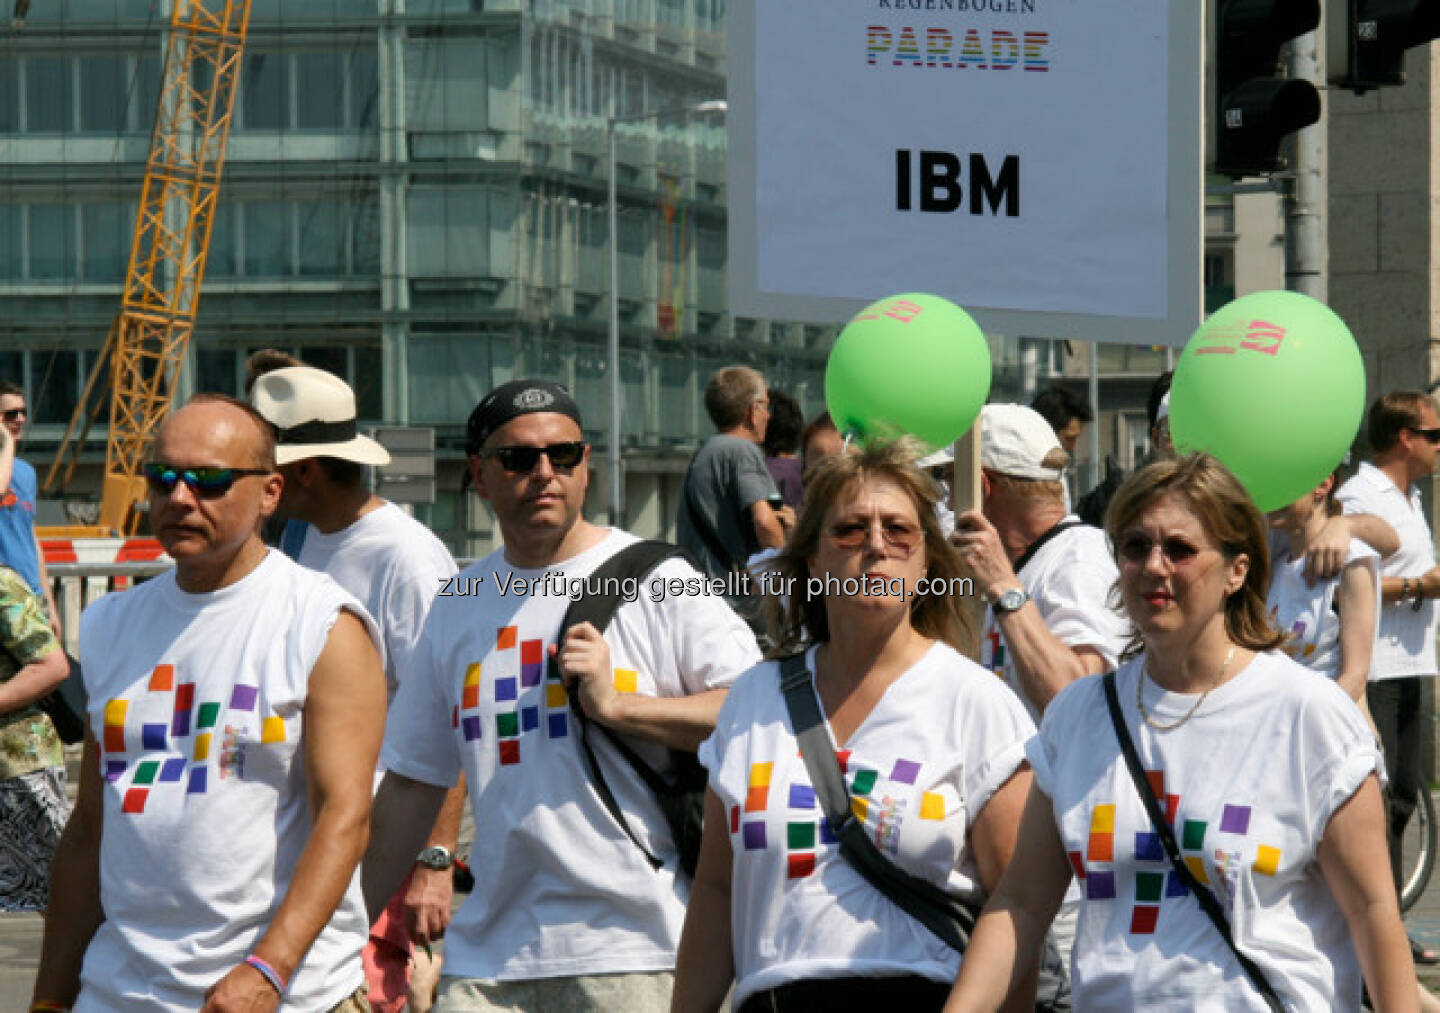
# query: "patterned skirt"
33,811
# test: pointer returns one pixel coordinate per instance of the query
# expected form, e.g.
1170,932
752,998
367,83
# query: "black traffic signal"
1256,107
1377,34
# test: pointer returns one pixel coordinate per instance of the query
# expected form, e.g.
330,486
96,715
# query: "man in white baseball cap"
1046,575
395,566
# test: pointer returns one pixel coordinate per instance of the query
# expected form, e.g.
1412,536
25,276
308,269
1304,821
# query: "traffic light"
1255,106
1377,33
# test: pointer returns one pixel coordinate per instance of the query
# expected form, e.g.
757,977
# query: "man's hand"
1327,551
983,555
584,662
1430,583
243,990
427,903
786,516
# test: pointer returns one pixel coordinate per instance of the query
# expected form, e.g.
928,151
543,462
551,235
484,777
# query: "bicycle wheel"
1417,851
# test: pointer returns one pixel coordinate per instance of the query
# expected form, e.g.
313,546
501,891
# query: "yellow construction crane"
146,345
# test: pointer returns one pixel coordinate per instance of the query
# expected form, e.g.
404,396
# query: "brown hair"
1400,409
833,480
1230,518
730,393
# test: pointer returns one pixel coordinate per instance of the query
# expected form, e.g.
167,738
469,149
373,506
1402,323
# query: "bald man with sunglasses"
236,705
570,910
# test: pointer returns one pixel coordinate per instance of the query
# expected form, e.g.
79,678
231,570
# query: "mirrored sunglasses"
207,483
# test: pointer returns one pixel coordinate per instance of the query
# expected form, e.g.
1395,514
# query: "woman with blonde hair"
929,748
1228,860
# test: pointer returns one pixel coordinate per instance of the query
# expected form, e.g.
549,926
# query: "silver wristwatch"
1010,601
436,858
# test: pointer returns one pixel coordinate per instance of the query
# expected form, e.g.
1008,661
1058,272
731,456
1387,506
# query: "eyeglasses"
523,459
897,535
13,414
1433,435
207,483
1136,549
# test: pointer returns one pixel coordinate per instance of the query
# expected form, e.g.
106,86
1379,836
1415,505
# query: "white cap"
944,455
314,412
1017,441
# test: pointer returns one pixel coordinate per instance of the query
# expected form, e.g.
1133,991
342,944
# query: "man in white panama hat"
395,566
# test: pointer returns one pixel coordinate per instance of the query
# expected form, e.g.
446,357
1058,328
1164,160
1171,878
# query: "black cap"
513,399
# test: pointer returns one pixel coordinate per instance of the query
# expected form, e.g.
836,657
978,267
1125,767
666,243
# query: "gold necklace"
1140,696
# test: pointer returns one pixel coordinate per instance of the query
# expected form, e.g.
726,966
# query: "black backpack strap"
1202,893
950,919
632,562
1039,543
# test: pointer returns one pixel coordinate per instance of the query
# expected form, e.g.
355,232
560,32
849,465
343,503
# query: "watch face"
1011,600
435,858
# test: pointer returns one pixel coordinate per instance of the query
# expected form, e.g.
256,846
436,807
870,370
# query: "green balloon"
1273,385
911,363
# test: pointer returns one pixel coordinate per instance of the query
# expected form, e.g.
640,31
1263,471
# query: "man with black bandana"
568,911
395,566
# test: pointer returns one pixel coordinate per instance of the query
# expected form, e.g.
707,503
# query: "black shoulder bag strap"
1039,543
1202,893
950,919
707,535
635,561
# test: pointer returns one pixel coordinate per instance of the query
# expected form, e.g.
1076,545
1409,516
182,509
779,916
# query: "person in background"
19,547
33,803
782,441
1404,432
820,440
1266,772
1068,414
395,566
930,746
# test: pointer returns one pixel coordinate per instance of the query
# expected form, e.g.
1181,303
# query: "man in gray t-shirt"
726,510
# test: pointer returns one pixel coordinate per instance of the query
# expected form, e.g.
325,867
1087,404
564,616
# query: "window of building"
265,91
266,238
216,371
52,242
49,94
449,231
54,385
104,85
446,84
12,244
105,230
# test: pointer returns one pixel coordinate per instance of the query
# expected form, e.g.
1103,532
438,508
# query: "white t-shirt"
1405,645
395,566
1250,783
1308,613
1070,579
943,738
560,889
197,703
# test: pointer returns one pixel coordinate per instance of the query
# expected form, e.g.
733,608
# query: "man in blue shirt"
19,548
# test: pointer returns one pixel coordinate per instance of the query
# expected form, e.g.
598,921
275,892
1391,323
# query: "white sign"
1035,161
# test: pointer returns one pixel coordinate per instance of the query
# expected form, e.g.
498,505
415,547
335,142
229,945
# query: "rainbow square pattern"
527,698
162,759
1155,880
805,828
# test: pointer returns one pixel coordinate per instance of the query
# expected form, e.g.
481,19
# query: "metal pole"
1307,266
617,478
1094,433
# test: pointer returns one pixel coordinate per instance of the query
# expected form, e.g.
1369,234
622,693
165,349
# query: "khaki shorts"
647,992
357,1003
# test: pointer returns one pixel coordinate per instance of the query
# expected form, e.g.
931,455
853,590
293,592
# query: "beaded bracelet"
269,973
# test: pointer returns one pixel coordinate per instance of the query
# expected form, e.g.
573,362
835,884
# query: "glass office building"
414,197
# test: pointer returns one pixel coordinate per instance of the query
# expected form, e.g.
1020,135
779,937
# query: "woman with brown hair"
1263,785
929,747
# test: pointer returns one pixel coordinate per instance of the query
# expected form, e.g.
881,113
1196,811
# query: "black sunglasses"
1433,435
207,483
523,459
11,414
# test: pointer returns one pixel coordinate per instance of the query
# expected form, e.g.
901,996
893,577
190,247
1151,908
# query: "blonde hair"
1229,517
803,619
